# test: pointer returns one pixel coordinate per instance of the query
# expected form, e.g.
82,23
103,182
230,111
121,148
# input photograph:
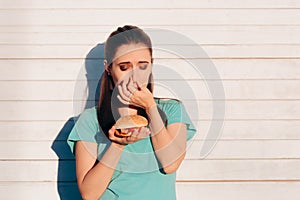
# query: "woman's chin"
127,110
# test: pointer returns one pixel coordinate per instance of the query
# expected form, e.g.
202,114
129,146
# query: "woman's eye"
144,67
123,67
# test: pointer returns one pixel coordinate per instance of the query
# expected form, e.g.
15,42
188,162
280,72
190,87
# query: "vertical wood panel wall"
254,45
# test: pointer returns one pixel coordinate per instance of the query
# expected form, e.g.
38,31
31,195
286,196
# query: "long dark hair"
122,36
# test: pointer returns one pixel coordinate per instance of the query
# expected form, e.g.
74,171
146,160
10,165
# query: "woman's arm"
94,178
168,142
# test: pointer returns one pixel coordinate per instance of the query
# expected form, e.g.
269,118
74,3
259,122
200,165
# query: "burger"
129,123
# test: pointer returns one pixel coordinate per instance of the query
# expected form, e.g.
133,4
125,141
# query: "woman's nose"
134,74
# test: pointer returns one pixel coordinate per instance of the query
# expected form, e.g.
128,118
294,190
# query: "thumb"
112,130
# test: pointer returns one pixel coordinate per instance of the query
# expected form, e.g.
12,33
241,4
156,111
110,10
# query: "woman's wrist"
112,155
150,106
156,123
118,145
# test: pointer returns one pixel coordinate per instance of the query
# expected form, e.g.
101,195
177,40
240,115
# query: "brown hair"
123,35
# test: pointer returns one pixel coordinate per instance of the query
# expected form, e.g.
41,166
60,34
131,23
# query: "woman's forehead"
133,52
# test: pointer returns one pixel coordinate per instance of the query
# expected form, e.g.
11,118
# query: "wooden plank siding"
253,44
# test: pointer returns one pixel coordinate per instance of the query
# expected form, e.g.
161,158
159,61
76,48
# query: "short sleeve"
85,128
176,112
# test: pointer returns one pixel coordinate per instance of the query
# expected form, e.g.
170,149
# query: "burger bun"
129,122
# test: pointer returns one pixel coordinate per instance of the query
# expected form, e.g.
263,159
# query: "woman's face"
131,61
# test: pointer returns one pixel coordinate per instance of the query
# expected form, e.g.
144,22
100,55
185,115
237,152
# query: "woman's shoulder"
89,113
85,128
161,101
169,106
88,117
90,110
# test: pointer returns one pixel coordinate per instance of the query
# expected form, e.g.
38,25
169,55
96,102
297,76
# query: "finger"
122,95
135,133
127,102
130,86
130,140
144,132
139,133
122,100
112,136
111,131
138,86
125,91
119,140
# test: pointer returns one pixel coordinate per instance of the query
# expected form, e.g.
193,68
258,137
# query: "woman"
142,165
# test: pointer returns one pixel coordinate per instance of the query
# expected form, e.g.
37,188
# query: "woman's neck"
124,111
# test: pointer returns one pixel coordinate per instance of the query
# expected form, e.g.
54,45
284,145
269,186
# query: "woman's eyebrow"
143,62
127,62
124,63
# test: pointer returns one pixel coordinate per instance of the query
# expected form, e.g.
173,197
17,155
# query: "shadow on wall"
66,177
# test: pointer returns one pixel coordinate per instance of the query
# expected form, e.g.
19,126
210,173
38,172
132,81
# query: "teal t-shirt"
137,175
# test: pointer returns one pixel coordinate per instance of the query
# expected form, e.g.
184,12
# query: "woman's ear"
106,67
105,64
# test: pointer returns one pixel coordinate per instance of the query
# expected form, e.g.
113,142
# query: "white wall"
254,45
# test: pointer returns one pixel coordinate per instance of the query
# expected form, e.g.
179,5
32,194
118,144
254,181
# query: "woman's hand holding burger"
137,134
129,129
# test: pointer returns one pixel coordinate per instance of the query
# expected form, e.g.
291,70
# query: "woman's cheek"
122,76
